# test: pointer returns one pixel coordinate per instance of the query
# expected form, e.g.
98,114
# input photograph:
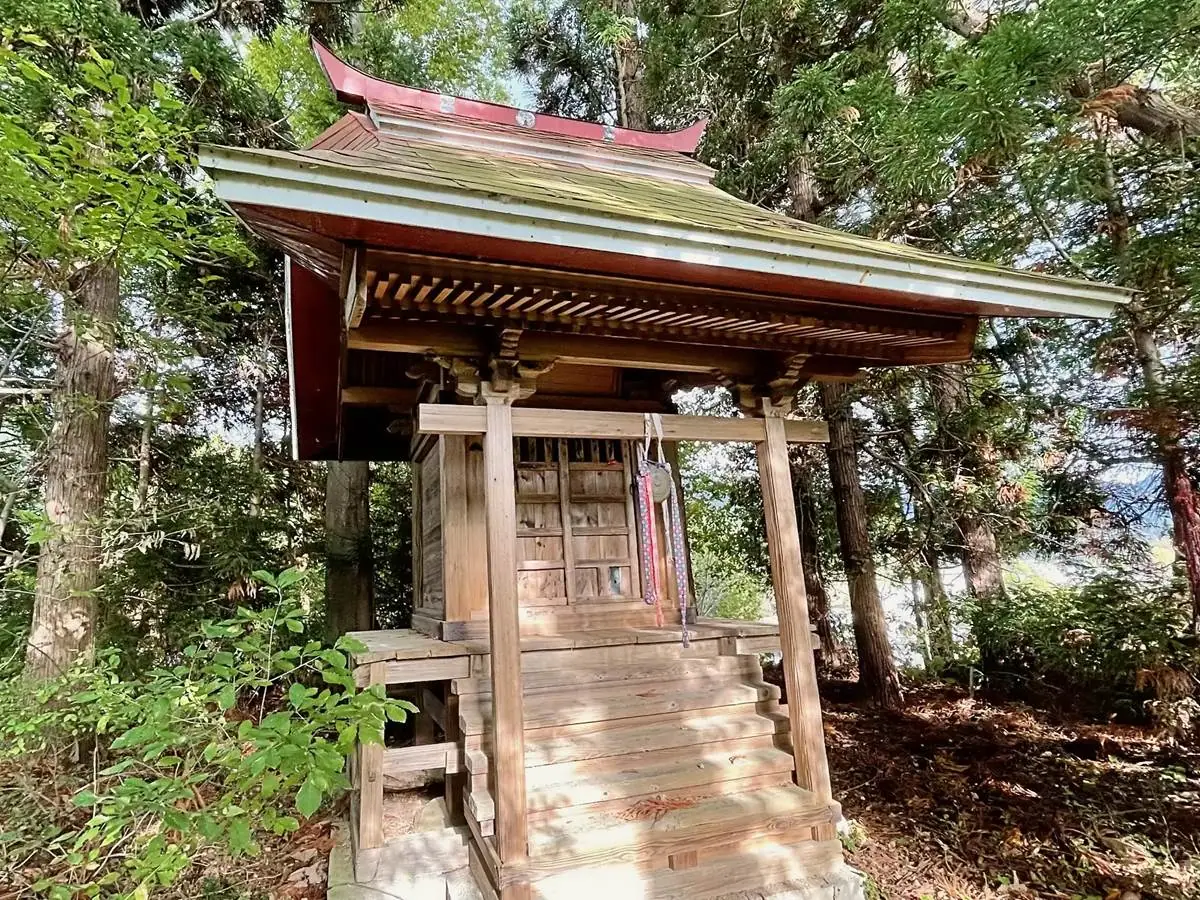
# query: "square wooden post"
508,718
370,781
787,578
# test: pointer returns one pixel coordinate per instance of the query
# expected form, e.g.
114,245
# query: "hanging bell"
660,481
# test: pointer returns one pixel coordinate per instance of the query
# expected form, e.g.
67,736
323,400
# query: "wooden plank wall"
430,600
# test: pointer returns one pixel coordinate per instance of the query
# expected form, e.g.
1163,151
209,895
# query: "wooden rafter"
447,289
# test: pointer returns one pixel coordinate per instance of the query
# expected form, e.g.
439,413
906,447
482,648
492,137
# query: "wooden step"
606,704
648,829
686,728
748,869
649,772
647,670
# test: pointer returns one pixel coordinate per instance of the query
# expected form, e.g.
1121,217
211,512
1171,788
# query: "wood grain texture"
370,777
787,578
442,418
509,728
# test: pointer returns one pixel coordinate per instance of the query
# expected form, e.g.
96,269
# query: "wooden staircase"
658,768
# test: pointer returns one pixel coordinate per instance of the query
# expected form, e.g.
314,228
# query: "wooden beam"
399,760
787,578
444,418
427,339
433,707
512,835
379,396
355,287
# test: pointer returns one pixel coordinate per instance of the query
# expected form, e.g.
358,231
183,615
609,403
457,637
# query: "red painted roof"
354,86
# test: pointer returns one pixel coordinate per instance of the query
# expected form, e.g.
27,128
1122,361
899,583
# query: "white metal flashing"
291,353
311,185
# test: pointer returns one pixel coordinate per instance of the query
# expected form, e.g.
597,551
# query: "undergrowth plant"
243,736
1108,647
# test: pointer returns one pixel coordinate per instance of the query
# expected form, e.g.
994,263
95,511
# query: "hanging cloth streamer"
643,493
656,485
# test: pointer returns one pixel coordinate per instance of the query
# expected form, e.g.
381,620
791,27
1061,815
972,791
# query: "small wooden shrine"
508,300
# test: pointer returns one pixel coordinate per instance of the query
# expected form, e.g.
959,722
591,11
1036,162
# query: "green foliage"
725,589
247,733
1109,645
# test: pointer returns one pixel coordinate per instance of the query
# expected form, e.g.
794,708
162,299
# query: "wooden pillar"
370,781
508,718
787,577
455,782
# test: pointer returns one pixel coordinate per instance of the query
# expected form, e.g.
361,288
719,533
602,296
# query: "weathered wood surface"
442,418
445,756
369,812
787,577
508,720
401,643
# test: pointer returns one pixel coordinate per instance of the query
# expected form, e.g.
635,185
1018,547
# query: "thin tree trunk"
62,630
917,592
937,605
1178,487
257,458
10,498
877,668
830,654
143,485
980,551
349,563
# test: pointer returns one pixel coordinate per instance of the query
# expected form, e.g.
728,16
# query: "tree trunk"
349,562
62,630
143,483
1178,488
830,654
257,458
922,622
980,550
633,108
937,606
877,668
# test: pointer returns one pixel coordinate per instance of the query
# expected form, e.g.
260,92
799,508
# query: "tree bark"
257,458
633,108
937,605
877,668
980,550
62,630
830,654
143,483
1178,487
349,561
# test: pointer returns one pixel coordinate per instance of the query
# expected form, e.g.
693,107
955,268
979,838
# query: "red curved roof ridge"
355,86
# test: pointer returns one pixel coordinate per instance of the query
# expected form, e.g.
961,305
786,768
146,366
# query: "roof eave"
309,185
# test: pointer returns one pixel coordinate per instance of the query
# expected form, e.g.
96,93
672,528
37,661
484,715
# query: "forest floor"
958,798
952,798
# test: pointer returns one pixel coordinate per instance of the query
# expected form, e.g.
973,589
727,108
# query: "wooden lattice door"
576,538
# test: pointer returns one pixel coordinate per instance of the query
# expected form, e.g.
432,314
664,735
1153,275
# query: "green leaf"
308,798
85,798
297,694
227,698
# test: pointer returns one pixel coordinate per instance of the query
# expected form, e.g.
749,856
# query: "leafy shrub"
249,729
725,589
1107,647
